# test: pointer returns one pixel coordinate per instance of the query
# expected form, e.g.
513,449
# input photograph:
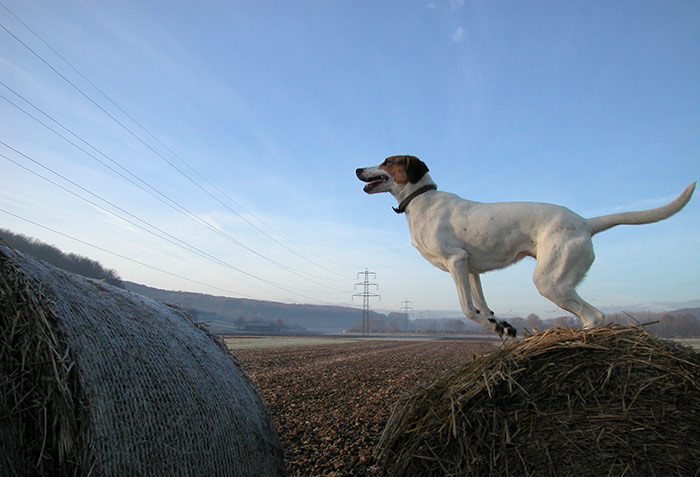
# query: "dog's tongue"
371,185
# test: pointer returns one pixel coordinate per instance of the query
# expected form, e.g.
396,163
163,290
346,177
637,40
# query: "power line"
122,256
172,203
175,241
154,138
161,196
147,146
366,295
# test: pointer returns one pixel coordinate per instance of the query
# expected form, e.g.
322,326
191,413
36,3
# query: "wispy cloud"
453,4
458,35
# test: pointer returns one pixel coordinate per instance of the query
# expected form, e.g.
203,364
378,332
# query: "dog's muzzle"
373,181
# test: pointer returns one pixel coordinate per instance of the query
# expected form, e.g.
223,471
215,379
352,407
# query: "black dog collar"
404,203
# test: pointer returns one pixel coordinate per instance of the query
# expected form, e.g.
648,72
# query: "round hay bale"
609,401
97,380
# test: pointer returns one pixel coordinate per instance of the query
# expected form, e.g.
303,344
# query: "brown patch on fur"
396,167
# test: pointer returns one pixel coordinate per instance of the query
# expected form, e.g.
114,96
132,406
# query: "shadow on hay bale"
609,401
97,380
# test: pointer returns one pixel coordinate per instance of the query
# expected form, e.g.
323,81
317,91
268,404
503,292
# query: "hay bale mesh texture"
609,401
97,380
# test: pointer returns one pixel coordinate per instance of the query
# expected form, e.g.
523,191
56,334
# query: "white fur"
467,238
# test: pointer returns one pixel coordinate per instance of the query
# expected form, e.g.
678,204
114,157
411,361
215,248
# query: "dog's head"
395,170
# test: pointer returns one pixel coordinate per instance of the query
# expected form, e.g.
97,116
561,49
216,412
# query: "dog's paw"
497,327
501,327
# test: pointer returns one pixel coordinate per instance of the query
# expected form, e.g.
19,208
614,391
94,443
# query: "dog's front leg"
482,308
458,266
459,269
478,295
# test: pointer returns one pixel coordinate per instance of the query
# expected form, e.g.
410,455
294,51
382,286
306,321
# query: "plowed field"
331,401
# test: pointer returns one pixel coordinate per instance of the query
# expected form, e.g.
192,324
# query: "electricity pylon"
366,295
406,307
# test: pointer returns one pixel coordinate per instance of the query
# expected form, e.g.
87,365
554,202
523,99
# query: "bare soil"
331,402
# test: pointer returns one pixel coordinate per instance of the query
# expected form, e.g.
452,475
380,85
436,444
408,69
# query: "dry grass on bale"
36,384
609,401
95,380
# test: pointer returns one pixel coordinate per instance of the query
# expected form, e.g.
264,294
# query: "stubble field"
331,400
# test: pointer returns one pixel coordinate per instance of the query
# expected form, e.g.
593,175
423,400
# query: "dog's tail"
604,222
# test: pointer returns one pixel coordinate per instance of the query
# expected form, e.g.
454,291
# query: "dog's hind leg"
559,270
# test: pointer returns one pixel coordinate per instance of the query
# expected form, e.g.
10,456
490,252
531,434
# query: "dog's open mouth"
374,182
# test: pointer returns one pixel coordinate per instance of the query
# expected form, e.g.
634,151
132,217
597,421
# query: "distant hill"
223,314
694,312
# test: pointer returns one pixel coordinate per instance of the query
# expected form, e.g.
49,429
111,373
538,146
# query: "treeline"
399,323
69,262
672,324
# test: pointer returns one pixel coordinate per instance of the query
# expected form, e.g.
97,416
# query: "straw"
609,401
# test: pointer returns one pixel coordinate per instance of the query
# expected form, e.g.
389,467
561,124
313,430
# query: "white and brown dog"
467,238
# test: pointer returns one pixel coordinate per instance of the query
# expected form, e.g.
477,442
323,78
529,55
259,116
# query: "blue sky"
272,106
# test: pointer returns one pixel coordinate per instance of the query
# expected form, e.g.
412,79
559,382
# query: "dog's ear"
415,169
